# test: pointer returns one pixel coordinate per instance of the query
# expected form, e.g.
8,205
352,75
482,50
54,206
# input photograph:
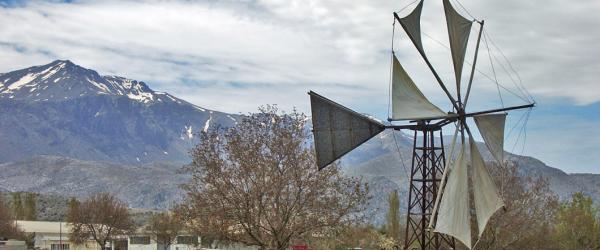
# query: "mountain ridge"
64,79
64,109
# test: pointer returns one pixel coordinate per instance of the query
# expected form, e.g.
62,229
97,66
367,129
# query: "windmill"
442,189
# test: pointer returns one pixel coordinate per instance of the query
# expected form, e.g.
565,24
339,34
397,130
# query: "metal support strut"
428,162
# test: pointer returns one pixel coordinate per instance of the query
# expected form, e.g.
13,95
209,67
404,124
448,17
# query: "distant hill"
67,110
379,162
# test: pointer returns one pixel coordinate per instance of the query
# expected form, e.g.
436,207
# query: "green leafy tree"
393,217
30,210
578,224
73,210
17,205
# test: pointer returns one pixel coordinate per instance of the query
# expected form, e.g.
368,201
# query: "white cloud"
277,49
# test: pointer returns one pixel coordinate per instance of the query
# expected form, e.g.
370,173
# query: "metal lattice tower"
428,160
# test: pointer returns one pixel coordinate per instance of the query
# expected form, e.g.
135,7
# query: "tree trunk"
102,244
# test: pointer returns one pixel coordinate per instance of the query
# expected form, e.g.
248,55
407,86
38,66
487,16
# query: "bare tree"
257,183
164,228
8,228
100,217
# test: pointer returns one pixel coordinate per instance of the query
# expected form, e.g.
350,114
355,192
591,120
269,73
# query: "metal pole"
409,223
500,110
473,66
424,188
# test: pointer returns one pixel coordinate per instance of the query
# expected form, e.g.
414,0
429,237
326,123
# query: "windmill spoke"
500,110
468,130
464,105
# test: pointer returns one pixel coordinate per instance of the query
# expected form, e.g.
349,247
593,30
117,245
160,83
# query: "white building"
50,235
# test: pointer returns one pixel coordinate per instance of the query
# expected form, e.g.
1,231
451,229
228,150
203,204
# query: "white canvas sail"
454,217
491,128
486,198
408,102
412,25
459,29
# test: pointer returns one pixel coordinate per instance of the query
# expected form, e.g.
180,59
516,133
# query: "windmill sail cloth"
454,217
487,201
459,29
338,130
412,25
408,102
491,128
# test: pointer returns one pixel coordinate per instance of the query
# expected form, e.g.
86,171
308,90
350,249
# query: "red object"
300,247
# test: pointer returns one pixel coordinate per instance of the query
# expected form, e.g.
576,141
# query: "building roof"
43,226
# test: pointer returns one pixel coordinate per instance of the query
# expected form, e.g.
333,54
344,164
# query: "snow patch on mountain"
188,133
141,97
207,124
101,86
30,77
21,82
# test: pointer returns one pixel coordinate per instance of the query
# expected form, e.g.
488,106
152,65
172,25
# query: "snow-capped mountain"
64,109
63,79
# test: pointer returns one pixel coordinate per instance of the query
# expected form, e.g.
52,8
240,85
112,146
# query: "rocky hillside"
146,186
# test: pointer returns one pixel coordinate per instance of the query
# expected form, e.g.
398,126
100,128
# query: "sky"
234,56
